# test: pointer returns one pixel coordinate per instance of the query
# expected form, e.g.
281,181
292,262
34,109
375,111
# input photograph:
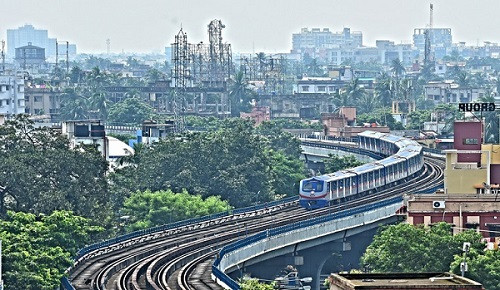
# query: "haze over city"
257,25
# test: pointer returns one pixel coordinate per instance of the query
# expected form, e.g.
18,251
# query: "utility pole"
108,46
57,54
3,56
67,57
1,280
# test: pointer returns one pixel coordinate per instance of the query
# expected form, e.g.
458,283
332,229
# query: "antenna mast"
57,53
431,20
3,55
108,46
67,57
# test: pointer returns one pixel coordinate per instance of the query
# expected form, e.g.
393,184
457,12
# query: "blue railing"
287,228
66,285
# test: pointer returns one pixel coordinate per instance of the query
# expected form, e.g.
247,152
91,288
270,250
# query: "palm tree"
383,90
463,79
491,134
397,69
239,94
99,104
74,106
367,103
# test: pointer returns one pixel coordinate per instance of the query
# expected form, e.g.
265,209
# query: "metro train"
404,159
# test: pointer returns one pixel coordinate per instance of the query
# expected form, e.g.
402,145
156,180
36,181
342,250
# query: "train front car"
313,192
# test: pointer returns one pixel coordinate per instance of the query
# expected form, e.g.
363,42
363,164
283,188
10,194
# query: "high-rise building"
26,34
440,40
317,38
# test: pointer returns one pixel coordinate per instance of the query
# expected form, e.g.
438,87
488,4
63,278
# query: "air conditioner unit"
438,204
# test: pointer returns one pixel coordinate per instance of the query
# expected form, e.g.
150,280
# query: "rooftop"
403,281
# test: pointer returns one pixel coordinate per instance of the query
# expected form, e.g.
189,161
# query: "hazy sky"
251,25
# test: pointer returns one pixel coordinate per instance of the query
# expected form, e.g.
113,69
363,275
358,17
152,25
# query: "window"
470,141
305,88
311,185
321,88
7,102
37,99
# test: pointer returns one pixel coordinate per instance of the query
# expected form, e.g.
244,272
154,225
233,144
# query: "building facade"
30,57
471,186
43,101
22,36
11,95
448,92
440,40
26,34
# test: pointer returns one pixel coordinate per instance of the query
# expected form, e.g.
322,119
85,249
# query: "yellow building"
473,177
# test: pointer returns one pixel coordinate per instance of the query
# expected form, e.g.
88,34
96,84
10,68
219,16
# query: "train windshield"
310,185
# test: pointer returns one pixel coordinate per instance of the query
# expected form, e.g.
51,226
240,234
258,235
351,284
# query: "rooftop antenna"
67,56
431,20
57,54
108,46
3,55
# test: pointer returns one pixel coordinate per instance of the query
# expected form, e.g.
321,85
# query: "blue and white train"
405,158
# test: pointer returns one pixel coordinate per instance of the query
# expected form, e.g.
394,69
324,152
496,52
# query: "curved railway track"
181,258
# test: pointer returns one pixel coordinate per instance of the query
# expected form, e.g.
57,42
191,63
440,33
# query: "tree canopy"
39,172
408,248
336,163
233,162
37,249
148,209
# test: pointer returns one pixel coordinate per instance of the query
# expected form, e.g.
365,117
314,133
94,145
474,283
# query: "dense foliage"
37,249
234,163
336,163
408,248
39,172
148,209
131,111
483,266
254,284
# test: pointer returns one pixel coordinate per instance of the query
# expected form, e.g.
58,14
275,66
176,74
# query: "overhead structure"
201,69
269,70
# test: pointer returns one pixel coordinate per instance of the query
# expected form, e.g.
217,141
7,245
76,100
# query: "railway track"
181,258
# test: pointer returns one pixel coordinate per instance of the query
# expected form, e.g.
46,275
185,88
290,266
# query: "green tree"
483,267
231,162
131,111
148,209
286,172
336,163
39,172
240,95
408,248
254,284
417,118
491,121
37,249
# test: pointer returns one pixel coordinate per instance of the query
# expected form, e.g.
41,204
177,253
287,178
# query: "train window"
310,185
341,183
334,185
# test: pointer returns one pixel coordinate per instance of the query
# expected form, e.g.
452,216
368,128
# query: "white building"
11,95
448,92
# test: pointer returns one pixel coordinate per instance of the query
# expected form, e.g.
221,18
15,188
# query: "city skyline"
256,25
